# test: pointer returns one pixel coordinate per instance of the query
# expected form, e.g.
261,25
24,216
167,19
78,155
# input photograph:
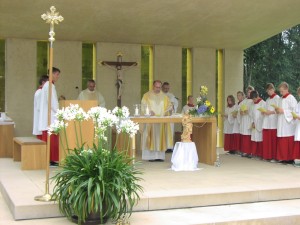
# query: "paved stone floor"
235,174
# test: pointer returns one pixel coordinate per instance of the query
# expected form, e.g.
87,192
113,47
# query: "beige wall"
106,77
21,77
168,67
233,72
204,72
21,74
20,83
67,57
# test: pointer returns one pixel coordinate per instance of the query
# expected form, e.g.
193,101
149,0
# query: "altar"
204,134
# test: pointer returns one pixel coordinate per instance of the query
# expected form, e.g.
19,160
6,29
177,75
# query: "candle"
147,111
136,111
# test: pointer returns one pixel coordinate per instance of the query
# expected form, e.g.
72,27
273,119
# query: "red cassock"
245,146
296,151
54,146
39,137
229,142
257,148
285,148
269,144
236,142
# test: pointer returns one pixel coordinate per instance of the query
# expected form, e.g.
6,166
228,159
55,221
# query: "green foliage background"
274,60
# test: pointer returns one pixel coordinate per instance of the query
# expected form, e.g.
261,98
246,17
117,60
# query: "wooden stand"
6,139
86,126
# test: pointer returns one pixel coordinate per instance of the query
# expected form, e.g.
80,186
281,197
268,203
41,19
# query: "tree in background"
274,60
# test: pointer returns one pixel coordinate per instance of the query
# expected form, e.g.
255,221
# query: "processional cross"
118,66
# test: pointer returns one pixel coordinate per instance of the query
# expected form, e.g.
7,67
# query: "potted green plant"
96,183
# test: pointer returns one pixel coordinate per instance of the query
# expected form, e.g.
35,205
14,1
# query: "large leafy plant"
96,180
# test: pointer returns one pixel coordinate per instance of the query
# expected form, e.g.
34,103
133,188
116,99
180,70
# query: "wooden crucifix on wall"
119,66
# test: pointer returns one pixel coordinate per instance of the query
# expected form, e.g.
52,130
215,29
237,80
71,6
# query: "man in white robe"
189,106
43,119
92,94
285,124
36,107
155,137
174,101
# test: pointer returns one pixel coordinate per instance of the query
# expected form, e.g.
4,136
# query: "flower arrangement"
96,180
203,106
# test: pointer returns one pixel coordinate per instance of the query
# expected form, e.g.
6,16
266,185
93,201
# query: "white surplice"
285,124
43,118
236,123
245,120
36,112
229,120
187,108
173,100
92,95
297,130
270,121
257,118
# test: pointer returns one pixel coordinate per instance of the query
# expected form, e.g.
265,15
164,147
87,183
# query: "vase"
92,219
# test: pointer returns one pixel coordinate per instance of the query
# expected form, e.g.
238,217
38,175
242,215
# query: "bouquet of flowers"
203,106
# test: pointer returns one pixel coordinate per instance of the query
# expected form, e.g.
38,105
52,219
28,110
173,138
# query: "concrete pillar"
168,67
67,56
233,72
20,83
204,72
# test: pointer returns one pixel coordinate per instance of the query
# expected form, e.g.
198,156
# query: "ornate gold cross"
52,17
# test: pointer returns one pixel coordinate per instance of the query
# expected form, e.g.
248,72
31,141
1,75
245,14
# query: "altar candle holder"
137,110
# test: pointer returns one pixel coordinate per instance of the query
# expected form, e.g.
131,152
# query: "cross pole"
52,18
118,66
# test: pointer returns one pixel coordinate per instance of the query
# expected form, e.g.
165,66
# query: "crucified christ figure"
119,67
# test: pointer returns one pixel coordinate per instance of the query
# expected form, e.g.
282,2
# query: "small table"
184,157
6,139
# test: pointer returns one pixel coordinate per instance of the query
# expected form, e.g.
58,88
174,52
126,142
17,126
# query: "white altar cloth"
184,157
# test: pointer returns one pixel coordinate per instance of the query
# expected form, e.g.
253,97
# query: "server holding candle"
154,136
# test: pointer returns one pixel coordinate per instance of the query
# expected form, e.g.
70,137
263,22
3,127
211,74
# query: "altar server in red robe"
236,124
285,124
270,125
228,124
43,120
296,116
245,123
257,117
36,107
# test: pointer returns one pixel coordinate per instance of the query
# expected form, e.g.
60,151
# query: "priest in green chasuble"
155,137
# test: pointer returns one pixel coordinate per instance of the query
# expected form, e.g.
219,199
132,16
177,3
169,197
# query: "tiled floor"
162,187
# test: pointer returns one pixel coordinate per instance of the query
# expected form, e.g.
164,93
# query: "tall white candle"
147,110
136,111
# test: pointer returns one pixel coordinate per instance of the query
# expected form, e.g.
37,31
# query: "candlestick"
147,113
